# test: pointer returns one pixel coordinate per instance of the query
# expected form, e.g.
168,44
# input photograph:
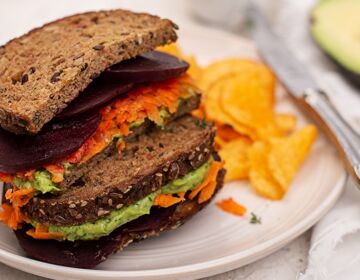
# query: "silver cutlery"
303,89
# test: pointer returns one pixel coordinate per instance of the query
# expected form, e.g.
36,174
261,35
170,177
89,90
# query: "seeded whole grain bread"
75,173
45,69
149,162
88,254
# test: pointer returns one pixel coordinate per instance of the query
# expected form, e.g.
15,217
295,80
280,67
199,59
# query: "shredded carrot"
231,206
6,178
167,200
121,145
19,196
145,101
79,154
12,215
42,232
207,192
57,172
142,102
211,177
26,175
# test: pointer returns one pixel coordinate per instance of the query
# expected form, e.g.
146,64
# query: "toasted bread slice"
77,172
87,254
148,163
45,69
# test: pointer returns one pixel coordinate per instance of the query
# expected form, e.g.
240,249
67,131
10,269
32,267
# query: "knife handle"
345,139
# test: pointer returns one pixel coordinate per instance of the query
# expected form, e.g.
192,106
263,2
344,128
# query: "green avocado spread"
188,182
42,182
117,218
106,225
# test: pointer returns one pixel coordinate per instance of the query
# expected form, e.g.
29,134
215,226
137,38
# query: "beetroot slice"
56,141
150,67
118,79
97,94
88,254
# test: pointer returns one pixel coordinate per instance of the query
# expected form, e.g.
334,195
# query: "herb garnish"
255,219
201,123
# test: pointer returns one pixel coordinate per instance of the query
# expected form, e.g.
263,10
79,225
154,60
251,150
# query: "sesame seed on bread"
87,254
148,163
45,69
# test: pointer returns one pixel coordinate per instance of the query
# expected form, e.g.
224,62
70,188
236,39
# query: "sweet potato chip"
287,154
260,175
234,154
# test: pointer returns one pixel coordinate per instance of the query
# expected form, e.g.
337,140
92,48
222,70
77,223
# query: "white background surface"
18,16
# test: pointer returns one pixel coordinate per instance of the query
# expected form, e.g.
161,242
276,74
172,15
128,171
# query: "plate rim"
200,269
230,261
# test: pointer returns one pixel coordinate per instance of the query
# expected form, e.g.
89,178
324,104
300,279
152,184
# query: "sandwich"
98,146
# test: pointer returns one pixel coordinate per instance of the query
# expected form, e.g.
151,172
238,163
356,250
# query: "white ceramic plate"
214,241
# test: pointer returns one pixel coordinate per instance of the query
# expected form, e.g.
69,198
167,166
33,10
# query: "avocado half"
335,27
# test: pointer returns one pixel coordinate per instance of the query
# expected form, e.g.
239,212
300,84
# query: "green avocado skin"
335,27
117,218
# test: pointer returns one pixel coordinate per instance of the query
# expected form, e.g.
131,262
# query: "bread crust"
88,254
45,69
77,172
147,164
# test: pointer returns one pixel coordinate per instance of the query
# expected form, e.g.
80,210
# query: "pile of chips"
256,143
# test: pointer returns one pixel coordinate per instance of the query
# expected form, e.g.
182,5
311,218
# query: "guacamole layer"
41,182
117,218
